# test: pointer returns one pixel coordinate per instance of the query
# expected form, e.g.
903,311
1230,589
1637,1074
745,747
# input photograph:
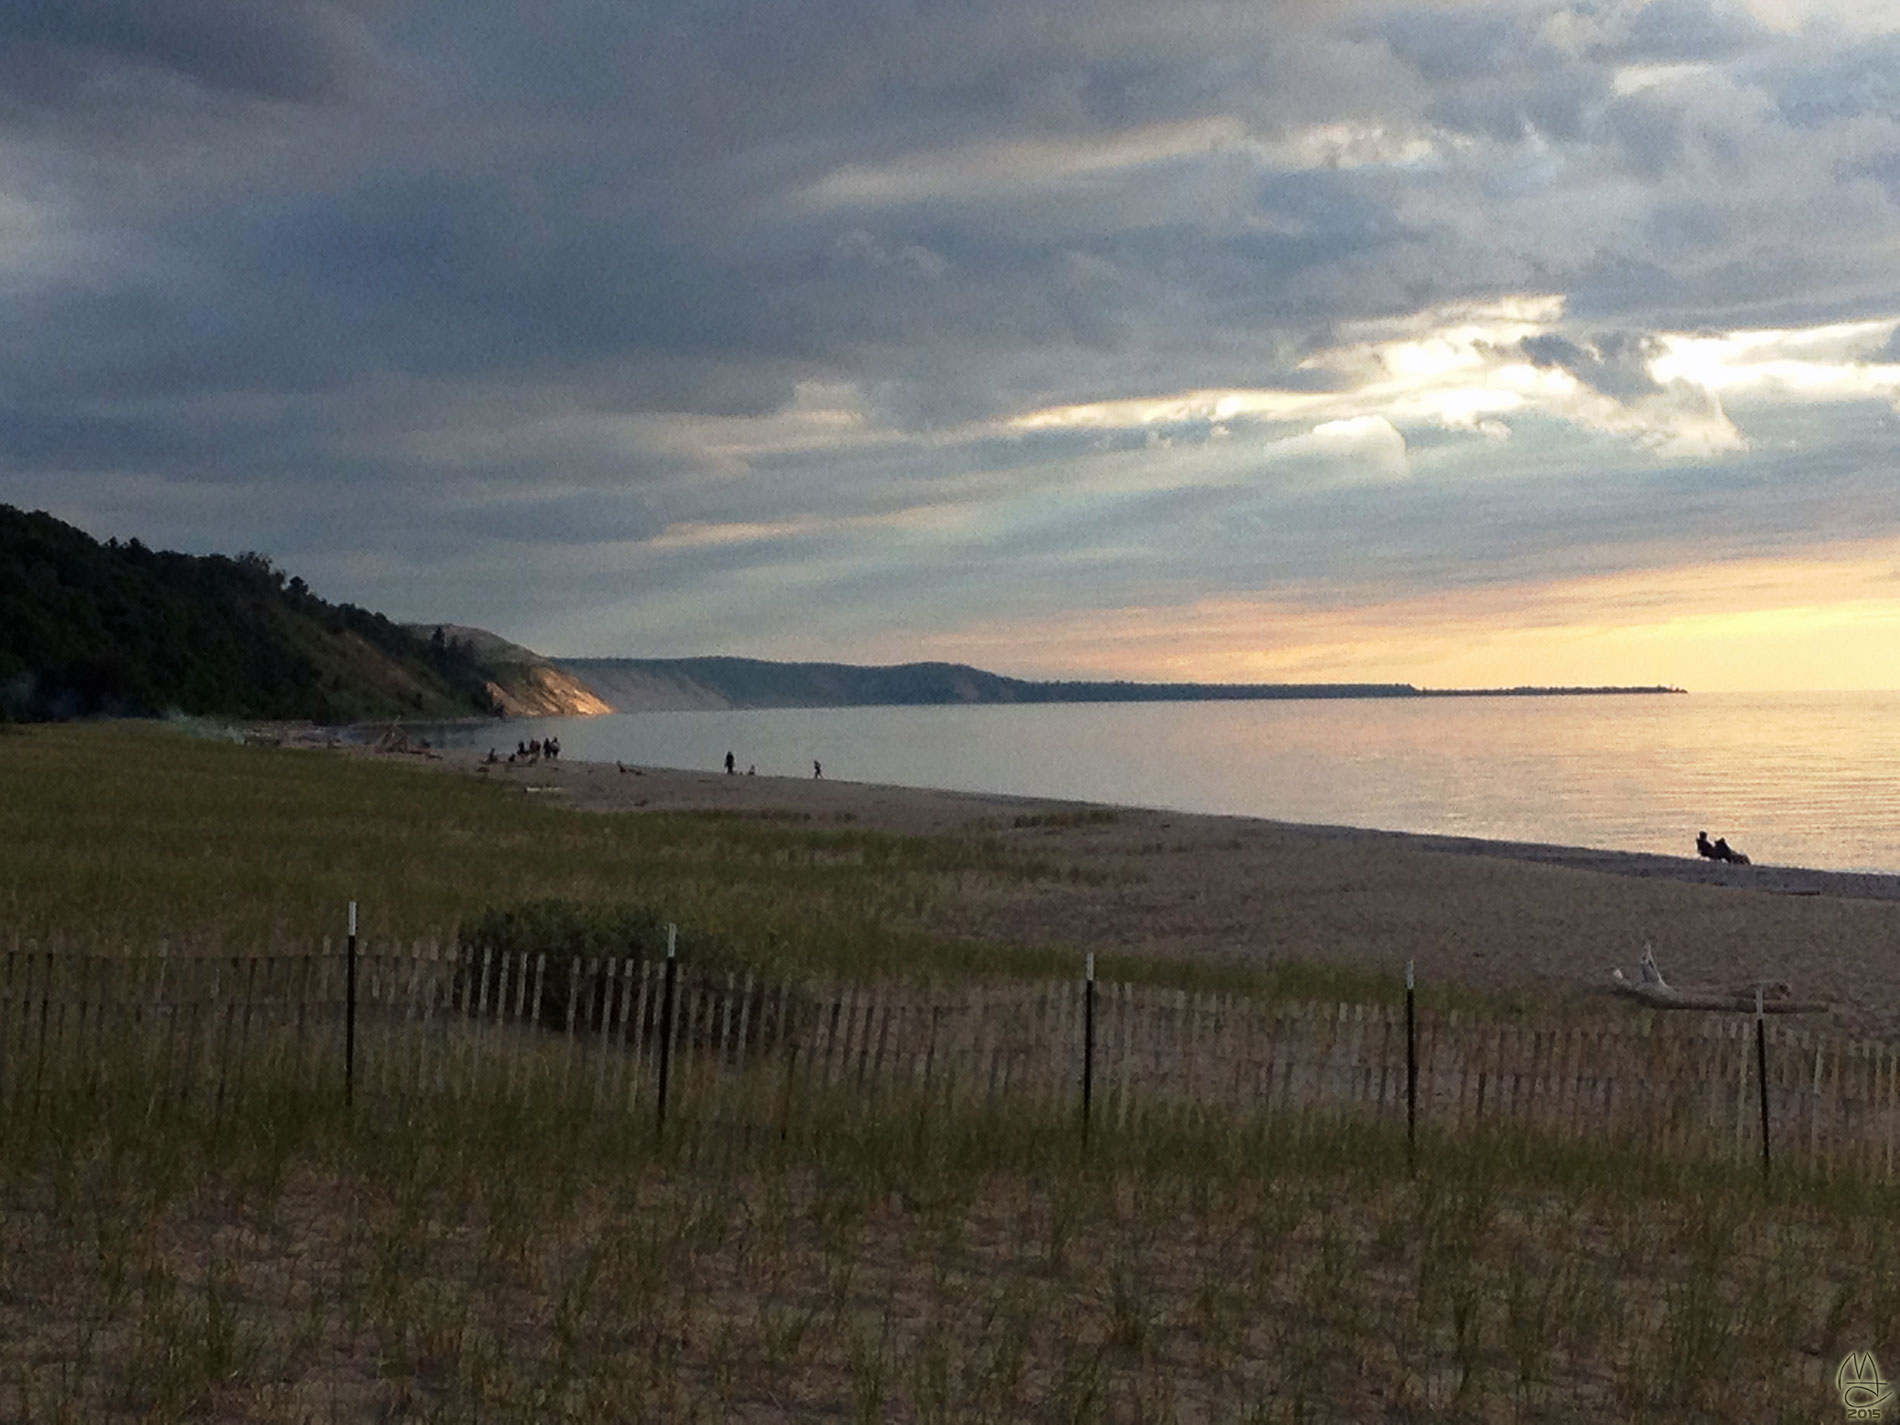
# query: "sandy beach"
1238,890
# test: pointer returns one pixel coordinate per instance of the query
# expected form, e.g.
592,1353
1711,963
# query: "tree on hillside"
89,628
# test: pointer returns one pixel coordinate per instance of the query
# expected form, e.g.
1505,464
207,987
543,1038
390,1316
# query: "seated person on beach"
1718,849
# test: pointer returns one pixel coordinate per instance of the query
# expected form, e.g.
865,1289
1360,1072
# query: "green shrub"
578,940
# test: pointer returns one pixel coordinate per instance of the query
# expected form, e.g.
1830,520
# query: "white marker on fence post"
667,1007
349,1017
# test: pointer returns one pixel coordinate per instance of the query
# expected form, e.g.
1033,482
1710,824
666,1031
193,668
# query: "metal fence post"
668,999
1088,1045
1761,1075
349,1017
1411,1067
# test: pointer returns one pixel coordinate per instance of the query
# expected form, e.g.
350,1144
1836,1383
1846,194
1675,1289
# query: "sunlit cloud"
1465,369
1637,78
995,167
1840,361
698,535
1353,449
707,534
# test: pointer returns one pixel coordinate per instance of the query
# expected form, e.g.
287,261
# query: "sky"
1454,344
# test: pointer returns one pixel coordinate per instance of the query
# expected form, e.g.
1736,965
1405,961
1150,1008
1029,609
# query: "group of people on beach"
532,750
732,766
1718,849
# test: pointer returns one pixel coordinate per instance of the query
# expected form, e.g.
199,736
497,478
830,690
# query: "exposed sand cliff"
521,681
631,689
542,690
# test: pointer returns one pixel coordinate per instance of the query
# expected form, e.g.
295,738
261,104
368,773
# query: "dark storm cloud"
55,53
1490,73
529,252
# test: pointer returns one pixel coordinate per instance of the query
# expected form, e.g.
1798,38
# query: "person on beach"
816,770
730,762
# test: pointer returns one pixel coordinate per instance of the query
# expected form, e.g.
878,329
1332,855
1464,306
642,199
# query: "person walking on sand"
731,762
816,770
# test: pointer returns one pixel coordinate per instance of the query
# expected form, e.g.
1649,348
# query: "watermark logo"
1865,1393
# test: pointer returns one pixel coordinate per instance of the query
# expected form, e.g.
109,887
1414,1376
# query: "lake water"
1792,779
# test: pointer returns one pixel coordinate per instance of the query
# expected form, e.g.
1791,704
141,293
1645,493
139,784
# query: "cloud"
625,323
61,53
1352,450
1674,31
1617,364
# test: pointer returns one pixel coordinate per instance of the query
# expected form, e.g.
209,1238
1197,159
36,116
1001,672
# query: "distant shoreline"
631,685
1559,692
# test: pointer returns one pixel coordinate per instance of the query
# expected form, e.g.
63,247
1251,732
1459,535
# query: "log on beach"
1661,996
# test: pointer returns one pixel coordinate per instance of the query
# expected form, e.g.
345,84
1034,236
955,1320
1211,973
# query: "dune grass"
283,1260
138,833
482,1263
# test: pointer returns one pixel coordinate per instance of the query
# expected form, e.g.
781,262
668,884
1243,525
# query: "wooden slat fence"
207,1031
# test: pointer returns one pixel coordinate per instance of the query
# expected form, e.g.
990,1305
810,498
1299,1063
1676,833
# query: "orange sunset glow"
1830,621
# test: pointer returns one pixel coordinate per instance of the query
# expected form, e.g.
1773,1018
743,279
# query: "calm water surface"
1792,779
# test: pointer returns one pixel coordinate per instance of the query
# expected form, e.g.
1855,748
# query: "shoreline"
1404,775
895,807
1240,890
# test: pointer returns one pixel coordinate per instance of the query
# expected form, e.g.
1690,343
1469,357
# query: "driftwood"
1658,996
1653,990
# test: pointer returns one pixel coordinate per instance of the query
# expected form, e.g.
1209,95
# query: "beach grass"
516,1263
133,834
137,833
507,1259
